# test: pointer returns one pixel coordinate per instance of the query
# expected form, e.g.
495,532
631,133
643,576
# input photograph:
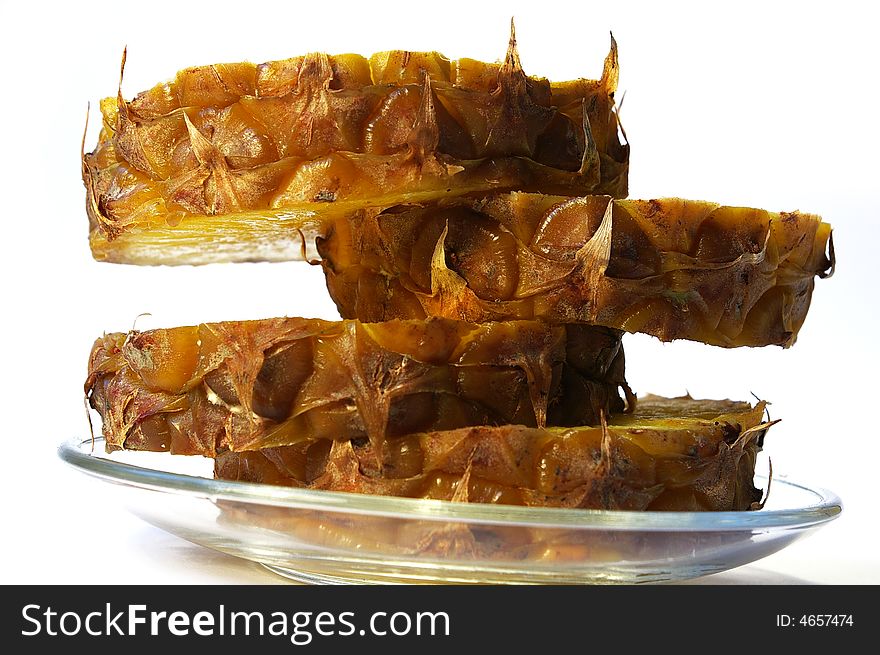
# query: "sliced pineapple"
670,454
676,269
243,162
277,382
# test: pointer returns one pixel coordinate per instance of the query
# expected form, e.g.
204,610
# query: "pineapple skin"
257,159
672,268
671,454
276,382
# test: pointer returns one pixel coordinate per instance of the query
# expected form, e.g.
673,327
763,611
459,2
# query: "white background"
771,106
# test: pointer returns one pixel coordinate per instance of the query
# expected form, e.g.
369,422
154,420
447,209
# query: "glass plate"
323,536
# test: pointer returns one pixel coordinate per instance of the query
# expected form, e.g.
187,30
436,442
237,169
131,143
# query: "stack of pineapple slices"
470,223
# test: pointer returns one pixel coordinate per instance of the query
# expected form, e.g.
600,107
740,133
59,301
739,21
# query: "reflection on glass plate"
321,536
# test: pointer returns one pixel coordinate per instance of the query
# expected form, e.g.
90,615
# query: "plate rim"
83,455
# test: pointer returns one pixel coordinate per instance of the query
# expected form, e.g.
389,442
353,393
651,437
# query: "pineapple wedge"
671,454
243,162
279,382
675,269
